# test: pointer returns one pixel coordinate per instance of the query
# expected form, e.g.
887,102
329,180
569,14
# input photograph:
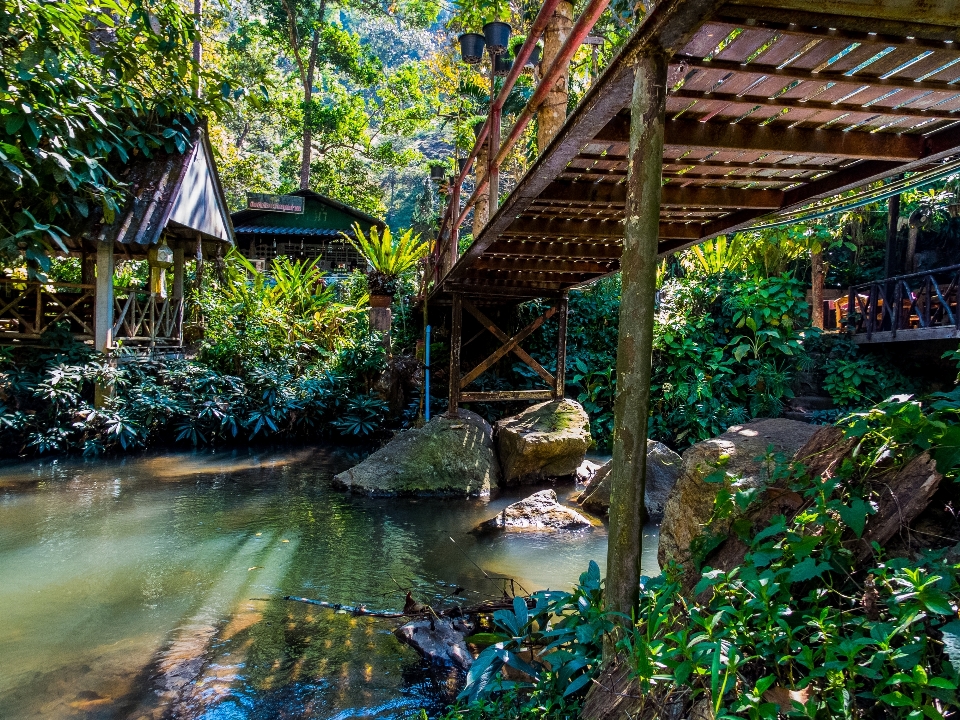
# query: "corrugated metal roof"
275,230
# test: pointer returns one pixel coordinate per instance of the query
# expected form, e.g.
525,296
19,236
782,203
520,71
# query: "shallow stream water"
152,586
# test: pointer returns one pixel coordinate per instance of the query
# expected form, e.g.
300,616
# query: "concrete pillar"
553,113
103,302
635,348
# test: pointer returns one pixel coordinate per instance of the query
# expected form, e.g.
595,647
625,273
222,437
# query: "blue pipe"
426,376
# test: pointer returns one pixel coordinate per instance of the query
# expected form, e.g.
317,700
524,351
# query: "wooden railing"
919,300
143,317
28,309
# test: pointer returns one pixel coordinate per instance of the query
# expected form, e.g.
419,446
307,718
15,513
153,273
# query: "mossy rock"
545,441
445,457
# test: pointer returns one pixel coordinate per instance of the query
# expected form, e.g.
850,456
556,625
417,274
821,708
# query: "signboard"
275,203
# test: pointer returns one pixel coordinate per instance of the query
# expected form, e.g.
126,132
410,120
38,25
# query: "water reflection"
152,587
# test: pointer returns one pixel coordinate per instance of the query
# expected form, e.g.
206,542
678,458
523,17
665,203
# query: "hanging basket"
535,56
471,47
497,35
436,172
502,65
477,127
461,164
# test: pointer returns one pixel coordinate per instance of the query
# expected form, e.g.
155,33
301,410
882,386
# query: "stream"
152,586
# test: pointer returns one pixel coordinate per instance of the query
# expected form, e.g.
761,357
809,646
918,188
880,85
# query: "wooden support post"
892,259
480,212
635,347
561,375
456,330
816,294
178,271
103,299
455,224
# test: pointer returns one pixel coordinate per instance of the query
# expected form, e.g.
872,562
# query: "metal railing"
446,249
906,302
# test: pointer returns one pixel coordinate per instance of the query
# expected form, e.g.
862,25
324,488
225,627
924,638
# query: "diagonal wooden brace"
507,347
504,338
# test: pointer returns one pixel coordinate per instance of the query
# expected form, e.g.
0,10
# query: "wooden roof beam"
895,26
784,164
798,141
579,266
796,73
797,103
600,193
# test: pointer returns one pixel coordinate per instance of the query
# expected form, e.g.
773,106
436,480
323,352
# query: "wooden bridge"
713,117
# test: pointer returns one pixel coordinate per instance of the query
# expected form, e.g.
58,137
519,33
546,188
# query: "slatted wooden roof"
770,107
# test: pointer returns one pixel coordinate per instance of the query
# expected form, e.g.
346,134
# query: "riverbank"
127,575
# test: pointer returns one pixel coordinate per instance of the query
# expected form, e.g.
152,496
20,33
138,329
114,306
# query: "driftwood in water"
484,608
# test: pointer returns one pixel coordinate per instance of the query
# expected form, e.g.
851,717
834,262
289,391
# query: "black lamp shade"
471,47
497,35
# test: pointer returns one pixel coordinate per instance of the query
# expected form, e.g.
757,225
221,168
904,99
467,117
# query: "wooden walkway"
770,106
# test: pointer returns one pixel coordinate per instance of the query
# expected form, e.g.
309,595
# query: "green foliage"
390,257
86,85
801,614
725,349
555,641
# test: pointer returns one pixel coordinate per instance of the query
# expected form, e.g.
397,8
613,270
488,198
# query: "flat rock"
439,640
445,457
539,512
663,469
690,504
545,441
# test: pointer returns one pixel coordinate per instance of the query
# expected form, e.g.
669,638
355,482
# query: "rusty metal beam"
798,103
798,141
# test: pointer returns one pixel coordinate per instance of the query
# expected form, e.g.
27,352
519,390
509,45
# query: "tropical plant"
390,257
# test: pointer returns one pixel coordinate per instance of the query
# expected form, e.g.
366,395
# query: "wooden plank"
671,195
506,348
504,338
506,395
558,250
800,141
944,332
545,264
793,72
799,103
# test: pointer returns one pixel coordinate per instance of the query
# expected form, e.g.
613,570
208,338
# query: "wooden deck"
770,107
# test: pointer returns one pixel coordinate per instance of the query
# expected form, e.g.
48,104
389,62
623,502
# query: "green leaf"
485,639
936,601
855,516
807,570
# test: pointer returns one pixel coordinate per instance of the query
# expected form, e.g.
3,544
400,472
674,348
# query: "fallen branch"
484,608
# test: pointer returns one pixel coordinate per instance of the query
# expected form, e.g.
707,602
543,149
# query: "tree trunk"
307,153
635,346
816,294
552,114
483,200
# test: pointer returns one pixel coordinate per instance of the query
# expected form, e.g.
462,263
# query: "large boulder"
742,449
539,512
444,457
663,469
545,441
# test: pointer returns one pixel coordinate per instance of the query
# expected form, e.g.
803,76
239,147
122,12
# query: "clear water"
152,587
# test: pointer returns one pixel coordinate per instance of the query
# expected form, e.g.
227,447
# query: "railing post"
851,309
897,309
493,140
454,223
456,328
635,346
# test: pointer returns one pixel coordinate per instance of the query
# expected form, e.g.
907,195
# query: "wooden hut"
176,207
302,225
